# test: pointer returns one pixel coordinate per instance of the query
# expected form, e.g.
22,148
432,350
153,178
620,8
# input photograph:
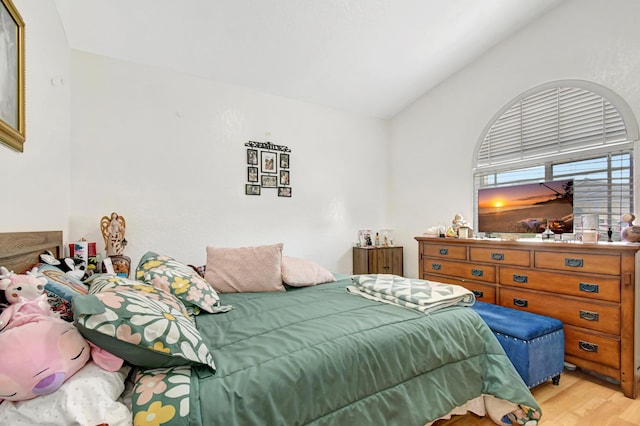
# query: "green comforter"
320,356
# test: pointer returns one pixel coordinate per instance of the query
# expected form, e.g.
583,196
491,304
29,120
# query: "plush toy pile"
73,267
39,350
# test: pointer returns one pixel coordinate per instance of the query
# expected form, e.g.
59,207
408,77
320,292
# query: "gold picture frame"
12,84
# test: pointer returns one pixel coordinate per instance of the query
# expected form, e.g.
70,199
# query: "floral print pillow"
100,283
177,278
145,326
161,396
107,282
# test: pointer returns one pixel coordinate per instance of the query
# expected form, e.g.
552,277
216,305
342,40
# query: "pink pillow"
301,273
245,269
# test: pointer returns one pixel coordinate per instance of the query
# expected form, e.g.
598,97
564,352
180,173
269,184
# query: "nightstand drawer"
500,256
592,347
581,313
485,273
597,288
445,251
578,262
482,292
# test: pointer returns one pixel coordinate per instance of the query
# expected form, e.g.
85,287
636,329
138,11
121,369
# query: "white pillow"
301,272
89,397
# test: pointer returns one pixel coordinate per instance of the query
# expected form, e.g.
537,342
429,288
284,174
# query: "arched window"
564,130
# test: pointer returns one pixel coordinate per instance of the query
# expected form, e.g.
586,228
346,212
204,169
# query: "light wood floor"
579,399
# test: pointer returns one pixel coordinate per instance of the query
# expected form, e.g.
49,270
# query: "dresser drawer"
445,251
464,270
598,288
482,292
581,313
592,347
578,262
500,256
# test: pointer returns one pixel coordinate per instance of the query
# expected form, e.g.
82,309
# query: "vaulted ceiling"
371,57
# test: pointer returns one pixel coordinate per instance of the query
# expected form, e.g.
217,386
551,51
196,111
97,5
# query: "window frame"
550,159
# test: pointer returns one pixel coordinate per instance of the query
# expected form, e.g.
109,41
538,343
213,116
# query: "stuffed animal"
40,351
75,268
21,287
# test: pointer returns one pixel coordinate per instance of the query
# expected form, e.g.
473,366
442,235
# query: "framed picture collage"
268,167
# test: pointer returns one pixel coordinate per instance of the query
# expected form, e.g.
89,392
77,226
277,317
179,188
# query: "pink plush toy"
19,287
41,351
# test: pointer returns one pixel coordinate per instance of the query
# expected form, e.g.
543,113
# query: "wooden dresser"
591,288
378,260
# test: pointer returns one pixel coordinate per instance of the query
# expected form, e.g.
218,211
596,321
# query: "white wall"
433,141
178,180
35,185
166,151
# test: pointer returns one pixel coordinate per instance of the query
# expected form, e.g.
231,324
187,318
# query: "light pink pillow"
301,273
245,269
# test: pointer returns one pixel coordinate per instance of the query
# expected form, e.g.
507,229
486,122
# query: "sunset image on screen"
526,208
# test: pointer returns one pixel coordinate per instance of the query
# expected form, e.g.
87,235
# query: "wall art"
252,174
268,166
252,189
12,86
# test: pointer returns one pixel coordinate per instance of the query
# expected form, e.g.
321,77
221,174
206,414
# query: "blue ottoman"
534,343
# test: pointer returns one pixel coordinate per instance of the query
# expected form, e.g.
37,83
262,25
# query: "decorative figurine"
631,233
461,227
113,229
113,233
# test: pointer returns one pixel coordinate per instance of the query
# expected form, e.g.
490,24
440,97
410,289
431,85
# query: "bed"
315,355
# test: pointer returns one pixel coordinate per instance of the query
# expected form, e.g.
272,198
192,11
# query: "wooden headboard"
21,250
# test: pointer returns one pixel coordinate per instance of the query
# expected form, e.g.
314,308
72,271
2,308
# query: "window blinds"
552,122
563,133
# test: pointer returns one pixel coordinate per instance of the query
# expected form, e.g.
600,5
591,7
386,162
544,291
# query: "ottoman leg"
556,380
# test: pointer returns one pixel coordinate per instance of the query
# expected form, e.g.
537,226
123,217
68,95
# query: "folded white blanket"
424,296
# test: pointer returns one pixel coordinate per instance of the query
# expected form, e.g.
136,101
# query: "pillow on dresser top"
298,272
177,278
245,269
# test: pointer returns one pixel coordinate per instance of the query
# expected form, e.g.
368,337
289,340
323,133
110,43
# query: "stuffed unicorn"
21,287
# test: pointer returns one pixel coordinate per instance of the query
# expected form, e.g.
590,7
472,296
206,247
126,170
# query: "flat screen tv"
526,209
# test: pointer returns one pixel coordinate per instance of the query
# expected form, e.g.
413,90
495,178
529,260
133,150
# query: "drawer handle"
497,256
478,293
436,266
588,347
477,272
521,302
443,251
520,278
589,316
589,288
573,262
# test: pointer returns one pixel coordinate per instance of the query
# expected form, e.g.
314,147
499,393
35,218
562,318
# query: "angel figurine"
113,233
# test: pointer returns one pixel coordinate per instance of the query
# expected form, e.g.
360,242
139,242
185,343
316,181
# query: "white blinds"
556,121
563,132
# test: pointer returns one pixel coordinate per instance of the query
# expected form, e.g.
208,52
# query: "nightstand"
378,260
